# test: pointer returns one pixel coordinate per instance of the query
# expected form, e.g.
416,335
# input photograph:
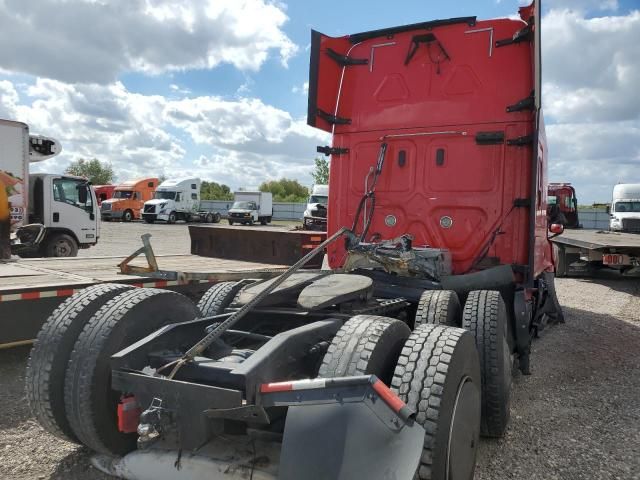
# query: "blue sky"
216,87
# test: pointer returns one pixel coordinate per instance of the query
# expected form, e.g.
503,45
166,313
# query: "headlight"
307,213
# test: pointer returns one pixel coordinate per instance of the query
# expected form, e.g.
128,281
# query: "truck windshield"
318,199
165,195
244,205
122,194
623,207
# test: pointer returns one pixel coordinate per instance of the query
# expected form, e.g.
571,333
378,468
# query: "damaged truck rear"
394,360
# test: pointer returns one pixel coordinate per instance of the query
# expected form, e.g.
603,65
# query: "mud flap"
346,428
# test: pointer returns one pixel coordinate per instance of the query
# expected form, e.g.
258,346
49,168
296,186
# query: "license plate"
614,259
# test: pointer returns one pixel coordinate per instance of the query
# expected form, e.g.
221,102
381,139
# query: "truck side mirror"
83,194
608,209
556,228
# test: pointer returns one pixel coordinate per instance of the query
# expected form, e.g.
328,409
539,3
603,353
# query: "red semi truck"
441,274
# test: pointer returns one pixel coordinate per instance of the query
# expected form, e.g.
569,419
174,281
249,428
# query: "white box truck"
625,208
315,215
51,215
251,207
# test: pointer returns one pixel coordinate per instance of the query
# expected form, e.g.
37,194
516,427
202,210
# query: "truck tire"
90,402
49,356
365,344
439,307
217,298
250,222
561,260
485,316
217,217
230,222
127,216
208,218
263,221
172,218
438,376
61,245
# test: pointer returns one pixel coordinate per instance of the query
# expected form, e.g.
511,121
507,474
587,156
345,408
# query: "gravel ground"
576,417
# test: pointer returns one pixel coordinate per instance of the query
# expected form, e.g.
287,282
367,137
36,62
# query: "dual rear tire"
433,369
69,371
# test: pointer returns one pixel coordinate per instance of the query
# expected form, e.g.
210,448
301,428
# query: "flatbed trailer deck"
30,289
577,250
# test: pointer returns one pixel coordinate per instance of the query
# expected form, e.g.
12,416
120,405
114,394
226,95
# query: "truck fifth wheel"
391,363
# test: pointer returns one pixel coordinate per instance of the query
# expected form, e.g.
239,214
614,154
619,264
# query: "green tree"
97,172
215,191
285,190
321,171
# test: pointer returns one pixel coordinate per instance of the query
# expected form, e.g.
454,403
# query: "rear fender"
345,428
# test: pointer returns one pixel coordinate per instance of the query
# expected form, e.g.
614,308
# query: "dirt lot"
576,417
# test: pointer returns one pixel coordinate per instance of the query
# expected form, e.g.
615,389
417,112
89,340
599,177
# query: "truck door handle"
56,216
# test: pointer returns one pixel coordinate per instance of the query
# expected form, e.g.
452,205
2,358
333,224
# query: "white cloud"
303,90
244,141
90,41
591,73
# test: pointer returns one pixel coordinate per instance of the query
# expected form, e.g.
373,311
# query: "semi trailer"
391,362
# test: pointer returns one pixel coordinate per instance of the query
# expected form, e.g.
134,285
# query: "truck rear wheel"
61,245
485,316
438,376
440,307
263,221
127,216
365,344
208,218
217,298
50,354
230,222
90,402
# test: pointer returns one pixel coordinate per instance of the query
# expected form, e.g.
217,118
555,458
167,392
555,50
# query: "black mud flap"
346,428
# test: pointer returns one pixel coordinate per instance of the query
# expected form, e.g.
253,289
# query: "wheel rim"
464,432
62,248
127,216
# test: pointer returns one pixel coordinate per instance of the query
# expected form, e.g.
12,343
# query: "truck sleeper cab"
173,200
625,208
128,200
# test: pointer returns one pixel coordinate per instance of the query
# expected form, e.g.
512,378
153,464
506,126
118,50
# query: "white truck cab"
251,207
315,215
625,208
51,215
174,199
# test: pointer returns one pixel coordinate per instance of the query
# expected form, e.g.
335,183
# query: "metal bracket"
521,141
332,119
327,150
490,138
522,35
344,60
528,103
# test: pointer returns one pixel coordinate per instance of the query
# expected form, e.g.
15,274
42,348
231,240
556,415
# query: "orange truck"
128,199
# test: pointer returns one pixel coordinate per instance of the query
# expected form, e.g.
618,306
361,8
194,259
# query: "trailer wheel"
438,376
485,316
90,402
440,307
365,344
127,216
47,362
217,298
561,260
61,245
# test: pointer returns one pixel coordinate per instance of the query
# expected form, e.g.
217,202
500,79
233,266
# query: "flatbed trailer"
30,289
579,251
